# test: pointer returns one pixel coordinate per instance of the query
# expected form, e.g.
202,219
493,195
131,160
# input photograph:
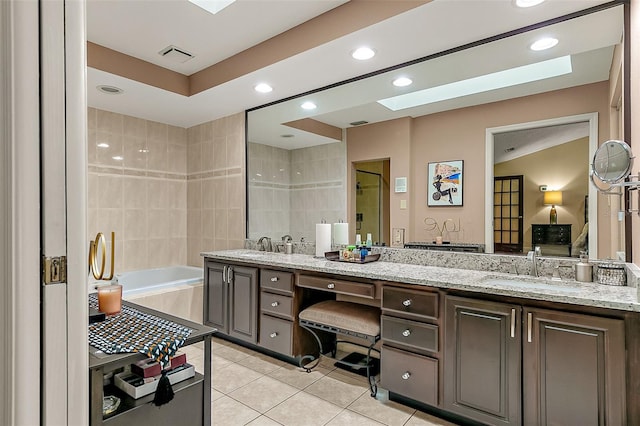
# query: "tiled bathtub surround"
216,186
170,193
292,190
138,189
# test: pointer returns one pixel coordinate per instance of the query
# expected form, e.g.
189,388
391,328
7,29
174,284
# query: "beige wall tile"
157,197
158,223
92,118
157,155
157,131
134,127
135,224
177,135
135,153
208,194
176,158
220,153
221,226
135,192
194,223
235,192
134,255
110,190
194,157
113,148
109,122
208,226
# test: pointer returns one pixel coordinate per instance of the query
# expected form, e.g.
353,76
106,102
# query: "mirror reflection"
304,166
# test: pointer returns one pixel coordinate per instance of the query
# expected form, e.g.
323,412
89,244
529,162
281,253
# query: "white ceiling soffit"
428,29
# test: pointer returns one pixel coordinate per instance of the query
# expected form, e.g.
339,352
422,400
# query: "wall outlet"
398,237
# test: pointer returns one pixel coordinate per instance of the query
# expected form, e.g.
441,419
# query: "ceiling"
141,28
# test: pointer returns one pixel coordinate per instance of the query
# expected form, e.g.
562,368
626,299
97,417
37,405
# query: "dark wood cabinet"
574,369
482,356
231,300
551,235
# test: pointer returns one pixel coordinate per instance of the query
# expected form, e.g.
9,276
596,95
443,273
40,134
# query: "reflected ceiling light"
110,90
118,157
363,53
263,88
103,145
212,6
528,3
143,150
308,105
484,83
402,82
287,135
543,43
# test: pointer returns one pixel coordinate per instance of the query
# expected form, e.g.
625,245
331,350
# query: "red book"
149,368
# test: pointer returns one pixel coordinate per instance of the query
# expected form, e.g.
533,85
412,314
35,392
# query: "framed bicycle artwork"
444,183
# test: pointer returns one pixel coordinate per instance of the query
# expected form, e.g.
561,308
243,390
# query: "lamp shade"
553,198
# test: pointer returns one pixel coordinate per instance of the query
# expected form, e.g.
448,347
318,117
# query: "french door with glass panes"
507,214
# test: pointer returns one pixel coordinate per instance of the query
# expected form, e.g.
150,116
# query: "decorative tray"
335,256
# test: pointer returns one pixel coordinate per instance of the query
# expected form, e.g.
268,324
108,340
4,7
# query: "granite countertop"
484,282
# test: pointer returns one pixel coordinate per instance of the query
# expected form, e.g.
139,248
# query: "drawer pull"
406,375
407,303
274,304
529,321
273,335
406,333
513,322
274,279
331,285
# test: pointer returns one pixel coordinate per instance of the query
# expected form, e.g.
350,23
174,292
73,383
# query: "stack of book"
144,375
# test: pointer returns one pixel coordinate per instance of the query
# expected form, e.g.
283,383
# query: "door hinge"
54,270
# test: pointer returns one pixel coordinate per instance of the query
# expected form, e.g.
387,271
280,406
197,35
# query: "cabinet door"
482,360
243,303
215,296
574,369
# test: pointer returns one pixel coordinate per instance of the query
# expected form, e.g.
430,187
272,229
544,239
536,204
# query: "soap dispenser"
584,269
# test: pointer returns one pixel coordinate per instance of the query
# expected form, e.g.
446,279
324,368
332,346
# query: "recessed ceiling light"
263,88
288,135
544,43
110,90
484,83
212,6
308,105
402,82
363,53
528,3
103,145
118,157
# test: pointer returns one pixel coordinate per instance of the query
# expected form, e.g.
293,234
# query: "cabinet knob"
273,335
407,302
406,333
406,375
331,285
274,279
274,304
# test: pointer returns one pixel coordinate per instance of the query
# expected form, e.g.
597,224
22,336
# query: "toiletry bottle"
369,242
584,270
358,240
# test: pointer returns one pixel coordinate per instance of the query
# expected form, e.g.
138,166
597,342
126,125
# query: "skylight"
484,83
212,6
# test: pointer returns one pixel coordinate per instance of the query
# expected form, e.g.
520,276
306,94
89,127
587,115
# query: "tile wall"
292,190
170,192
216,186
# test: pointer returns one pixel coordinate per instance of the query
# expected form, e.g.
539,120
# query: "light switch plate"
403,204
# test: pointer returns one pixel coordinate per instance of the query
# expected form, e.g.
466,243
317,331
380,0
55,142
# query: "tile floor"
250,388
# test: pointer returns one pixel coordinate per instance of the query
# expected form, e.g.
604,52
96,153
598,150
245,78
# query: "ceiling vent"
176,54
359,123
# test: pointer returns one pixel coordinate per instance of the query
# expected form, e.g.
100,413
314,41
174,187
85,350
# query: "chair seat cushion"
349,316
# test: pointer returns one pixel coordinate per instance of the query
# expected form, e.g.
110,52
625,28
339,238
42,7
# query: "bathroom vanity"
192,399
484,346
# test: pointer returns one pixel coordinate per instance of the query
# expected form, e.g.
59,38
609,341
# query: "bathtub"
176,290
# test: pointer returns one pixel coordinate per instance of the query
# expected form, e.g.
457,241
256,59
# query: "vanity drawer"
276,280
338,286
409,333
276,304
410,375
275,334
412,303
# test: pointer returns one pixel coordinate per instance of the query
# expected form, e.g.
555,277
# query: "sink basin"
530,283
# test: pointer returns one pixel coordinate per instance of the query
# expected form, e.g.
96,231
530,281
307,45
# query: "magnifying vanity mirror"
612,162
301,163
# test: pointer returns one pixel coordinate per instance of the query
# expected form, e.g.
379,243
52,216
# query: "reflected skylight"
212,6
484,83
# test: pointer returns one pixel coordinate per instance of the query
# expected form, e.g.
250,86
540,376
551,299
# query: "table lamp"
553,198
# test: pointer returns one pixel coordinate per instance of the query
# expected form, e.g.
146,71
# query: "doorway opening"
372,200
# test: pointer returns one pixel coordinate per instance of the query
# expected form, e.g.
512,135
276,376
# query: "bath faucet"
287,238
533,257
265,244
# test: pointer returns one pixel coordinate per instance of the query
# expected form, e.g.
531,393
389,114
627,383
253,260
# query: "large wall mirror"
529,118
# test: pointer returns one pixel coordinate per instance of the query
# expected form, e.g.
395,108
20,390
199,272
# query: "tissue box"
135,386
149,368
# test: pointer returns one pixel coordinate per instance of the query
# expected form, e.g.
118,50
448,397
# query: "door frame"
592,119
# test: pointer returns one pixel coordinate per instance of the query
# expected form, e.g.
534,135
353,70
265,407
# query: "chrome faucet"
533,257
265,244
287,238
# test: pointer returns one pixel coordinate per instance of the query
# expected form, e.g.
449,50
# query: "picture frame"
445,183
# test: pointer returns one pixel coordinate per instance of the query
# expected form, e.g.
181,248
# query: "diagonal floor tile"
349,418
297,377
303,409
381,409
263,421
424,419
263,394
261,363
232,377
337,389
226,411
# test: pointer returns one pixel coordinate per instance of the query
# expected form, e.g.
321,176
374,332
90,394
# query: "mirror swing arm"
612,165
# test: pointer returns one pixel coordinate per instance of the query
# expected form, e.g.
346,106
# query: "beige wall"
143,197
216,186
562,167
635,118
460,135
